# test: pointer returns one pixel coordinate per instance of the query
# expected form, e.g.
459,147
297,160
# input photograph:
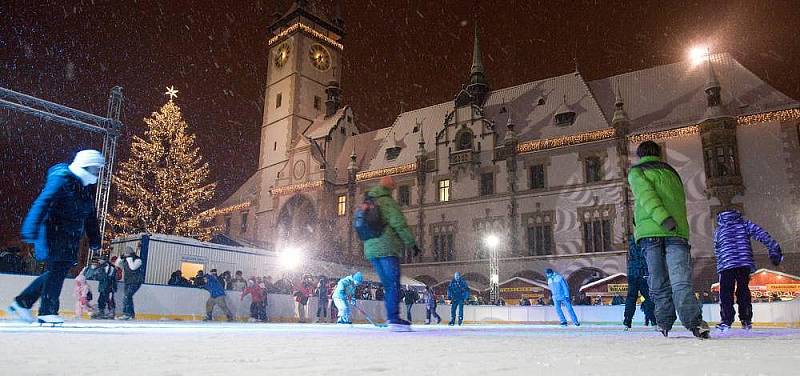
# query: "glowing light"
492,240
698,54
171,92
366,175
290,258
307,29
495,278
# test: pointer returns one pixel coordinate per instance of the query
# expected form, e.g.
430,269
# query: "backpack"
367,220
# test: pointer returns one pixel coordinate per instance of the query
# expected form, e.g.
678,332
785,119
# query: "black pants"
103,300
127,301
737,279
47,286
636,286
322,308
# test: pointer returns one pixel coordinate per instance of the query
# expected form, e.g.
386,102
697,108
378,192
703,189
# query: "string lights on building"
782,115
232,208
308,30
366,175
307,186
552,143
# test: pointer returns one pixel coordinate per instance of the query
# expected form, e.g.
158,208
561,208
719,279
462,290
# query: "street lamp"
494,267
699,54
290,258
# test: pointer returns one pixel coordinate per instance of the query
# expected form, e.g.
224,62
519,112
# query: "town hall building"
541,165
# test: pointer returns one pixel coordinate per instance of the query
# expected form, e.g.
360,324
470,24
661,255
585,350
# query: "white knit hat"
89,157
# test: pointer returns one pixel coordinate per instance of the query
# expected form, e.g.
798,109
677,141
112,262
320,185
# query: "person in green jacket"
662,232
384,252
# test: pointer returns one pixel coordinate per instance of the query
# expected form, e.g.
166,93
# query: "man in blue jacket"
637,284
216,297
55,224
458,293
735,263
560,292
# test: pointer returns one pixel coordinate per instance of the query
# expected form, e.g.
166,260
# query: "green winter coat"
395,235
659,194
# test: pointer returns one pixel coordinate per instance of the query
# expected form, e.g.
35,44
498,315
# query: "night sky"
399,54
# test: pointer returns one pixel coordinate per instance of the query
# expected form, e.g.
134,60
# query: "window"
404,195
317,102
536,177
278,100
487,183
564,119
392,153
341,205
444,190
243,225
593,167
227,225
540,240
443,246
597,222
464,140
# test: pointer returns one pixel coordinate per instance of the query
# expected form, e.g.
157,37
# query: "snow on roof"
246,192
366,148
321,126
601,281
529,281
670,96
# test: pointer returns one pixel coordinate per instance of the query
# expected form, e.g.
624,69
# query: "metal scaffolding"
110,127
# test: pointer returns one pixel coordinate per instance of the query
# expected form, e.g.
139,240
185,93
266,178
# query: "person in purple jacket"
735,263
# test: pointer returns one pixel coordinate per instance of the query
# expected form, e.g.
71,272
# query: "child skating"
344,295
735,263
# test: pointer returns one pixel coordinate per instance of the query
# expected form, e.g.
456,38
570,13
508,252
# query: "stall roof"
601,281
764,270
530,281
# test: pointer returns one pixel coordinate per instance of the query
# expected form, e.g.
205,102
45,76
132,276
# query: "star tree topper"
171,92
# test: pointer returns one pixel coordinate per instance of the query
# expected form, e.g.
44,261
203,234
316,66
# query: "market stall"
607,288
766,285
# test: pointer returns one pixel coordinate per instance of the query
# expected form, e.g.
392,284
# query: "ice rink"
194,348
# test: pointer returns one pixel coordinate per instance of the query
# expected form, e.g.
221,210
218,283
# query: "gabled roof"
601,281
529,281
366,148
322,125
671,96
247,192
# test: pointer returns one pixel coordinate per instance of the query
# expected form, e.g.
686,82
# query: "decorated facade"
542,165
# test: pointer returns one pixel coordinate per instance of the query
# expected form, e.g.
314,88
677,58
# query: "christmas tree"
163,186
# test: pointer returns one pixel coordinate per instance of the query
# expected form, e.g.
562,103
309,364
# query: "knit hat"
387,182
86,158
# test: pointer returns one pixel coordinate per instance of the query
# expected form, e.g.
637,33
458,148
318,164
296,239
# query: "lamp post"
494,268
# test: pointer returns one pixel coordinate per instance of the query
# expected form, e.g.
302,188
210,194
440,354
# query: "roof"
366,146
601,281
670,96
529,281
770,271
247,192
322,125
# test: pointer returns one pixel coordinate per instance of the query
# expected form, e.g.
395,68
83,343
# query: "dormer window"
392,153
541,101
565,119
464,140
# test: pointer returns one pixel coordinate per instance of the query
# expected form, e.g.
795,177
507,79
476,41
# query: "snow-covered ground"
193,348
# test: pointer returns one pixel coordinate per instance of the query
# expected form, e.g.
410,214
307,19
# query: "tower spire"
619,107
713,90
477,63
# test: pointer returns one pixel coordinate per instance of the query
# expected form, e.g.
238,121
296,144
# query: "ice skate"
126,318
723,328
627,326
701,331
51,320
427,322
399,325
747,325
664,332
564,324
20,313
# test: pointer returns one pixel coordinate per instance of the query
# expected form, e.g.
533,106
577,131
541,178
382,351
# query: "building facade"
541,165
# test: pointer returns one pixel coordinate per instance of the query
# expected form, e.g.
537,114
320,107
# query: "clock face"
320,57
282,54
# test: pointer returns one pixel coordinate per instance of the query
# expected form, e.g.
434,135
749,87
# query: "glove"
776,259
669,224
417,251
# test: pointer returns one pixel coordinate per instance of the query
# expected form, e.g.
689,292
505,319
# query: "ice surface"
193,348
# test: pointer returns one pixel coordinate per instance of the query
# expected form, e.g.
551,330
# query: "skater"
106,276
258,306
637,284
458,293
735,263
216,296
133,277
661,229
301,298
389,234
409,298
560,292
322,297
344,295
82,295
430,306
55,224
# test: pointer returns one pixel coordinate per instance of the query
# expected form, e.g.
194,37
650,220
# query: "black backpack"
367,220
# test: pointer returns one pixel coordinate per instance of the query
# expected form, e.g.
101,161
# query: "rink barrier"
157,302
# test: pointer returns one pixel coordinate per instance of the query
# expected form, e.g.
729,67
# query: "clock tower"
304,58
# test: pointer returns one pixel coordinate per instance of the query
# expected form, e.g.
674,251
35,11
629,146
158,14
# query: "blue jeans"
431,310
322,307
47,287
127,302
453,305
557,304
388,269
670,265
408,311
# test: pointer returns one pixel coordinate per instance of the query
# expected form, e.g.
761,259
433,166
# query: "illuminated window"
341,205
444,190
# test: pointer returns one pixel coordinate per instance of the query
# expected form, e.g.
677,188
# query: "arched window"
464,139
